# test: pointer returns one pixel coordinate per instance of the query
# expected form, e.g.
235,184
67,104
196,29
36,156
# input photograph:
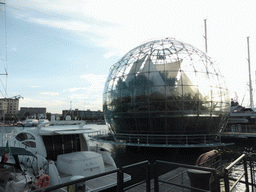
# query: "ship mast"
205,35
250,81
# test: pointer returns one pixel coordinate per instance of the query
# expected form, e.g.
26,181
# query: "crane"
17,97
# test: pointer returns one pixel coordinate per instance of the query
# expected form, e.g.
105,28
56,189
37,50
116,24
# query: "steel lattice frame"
165,86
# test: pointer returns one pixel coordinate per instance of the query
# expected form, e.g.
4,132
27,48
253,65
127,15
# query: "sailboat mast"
205,35
250,81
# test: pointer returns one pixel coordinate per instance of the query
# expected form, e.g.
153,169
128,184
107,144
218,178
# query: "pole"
156,185
148,177
250,81
246,174
205,35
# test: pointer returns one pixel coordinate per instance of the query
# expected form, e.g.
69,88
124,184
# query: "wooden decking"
178,176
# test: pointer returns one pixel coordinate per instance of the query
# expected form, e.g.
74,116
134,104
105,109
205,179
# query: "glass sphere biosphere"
165,86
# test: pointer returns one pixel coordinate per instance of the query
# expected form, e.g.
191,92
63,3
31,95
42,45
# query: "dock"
104,182
178,176
239,131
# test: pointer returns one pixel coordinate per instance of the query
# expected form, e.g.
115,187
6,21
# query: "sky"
58,53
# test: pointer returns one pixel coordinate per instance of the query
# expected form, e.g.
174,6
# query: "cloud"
96,82
95,85
110,54
77,96
49,93
73,89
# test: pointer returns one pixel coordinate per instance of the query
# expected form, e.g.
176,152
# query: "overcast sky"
58,51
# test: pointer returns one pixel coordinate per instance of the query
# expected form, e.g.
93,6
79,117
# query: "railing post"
120,180
182,180
251,169
216,182
156,186
226,180
148,177
246,174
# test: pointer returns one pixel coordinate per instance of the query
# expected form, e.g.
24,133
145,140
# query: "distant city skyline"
56,52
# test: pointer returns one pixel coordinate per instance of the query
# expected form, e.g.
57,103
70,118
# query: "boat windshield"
61,144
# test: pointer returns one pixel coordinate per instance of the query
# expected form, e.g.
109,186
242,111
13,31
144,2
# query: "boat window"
29,144
61,144
24,136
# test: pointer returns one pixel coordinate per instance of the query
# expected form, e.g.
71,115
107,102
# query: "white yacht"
42,121
67,153
30,123
17,174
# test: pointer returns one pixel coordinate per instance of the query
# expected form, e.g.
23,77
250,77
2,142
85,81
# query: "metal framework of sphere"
165,87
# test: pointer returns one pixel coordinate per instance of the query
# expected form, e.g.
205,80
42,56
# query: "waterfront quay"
239,131
183,178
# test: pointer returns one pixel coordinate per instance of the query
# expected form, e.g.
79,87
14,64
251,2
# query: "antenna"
205,35
250,81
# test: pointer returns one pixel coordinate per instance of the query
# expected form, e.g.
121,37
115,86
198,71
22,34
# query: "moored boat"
18,173
67,153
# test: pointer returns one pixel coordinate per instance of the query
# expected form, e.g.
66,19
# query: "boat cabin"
54,140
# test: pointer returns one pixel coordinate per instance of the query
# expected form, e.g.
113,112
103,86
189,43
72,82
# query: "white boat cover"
85,163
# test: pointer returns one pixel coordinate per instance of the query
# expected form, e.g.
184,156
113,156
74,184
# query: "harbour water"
129,155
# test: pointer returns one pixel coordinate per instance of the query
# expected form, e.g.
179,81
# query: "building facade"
9,106
79,114
37,112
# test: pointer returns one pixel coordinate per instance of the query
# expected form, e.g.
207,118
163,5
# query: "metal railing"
150,168
82,180
215,184
239,128
244,159
147,180
161,139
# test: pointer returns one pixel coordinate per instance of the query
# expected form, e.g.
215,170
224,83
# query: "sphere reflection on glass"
165,87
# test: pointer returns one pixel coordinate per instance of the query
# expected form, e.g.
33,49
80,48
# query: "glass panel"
216,94
157,93
157,106
130,80
172,77
214,81
188,78
190,92
173,92
174,106
216,106
29,144
25,136
110,85
205,106
155,79
187,66
191,105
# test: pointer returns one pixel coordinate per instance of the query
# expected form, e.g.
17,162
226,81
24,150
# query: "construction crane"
16,97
